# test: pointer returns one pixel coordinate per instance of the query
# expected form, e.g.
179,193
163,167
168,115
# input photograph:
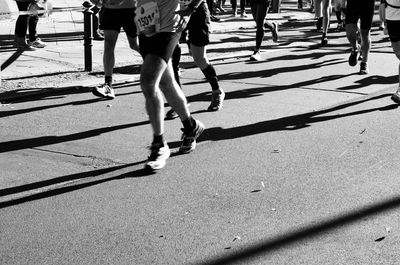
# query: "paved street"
299,167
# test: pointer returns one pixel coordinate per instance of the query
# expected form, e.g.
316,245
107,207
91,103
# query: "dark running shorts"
115,19
162,44
198,27
393,27
360,9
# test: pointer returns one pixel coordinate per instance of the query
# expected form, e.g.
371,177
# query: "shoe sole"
395,99
275,35
171,117
98,94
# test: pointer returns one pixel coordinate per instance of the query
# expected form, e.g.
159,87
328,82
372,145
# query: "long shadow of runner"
265,247
285,124
82,180
49,140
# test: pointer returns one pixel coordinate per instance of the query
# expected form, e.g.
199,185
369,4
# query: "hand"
185,12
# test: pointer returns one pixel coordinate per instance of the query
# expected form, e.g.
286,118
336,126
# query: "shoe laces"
106,88
155,151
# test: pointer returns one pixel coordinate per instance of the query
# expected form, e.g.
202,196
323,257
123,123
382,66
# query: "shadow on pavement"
49,140
81,183
295,122
280,241
10,60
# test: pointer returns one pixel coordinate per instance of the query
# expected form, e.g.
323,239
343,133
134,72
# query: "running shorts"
198,27
115,19
360,9
161,44
393,27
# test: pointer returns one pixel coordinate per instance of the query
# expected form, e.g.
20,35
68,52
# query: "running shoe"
363,68
104,91
24,47
220,9
189,138
396,96
21,44
324,40
244,15
353,58
38,43
275,36
214,19
159,153
171,114
216,101
340,26
256,56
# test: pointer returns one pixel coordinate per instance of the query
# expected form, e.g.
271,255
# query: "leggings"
242,5
24,20
259,10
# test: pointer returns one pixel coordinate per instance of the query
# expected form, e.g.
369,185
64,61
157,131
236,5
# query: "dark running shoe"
159,153
189,138
275,35
171,114
214,19
363,68
324,40
396,96
353,58
216,101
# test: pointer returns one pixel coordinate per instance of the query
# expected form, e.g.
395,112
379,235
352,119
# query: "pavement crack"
94,161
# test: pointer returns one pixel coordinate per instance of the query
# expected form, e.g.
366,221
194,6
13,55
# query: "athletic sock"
158,139
189,124
108,80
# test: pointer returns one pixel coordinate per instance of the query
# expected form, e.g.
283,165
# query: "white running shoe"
104,91
256,56
158,156
38,43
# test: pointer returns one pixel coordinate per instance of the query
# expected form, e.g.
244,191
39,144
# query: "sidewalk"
65,51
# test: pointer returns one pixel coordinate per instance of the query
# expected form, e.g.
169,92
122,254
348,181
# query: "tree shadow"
307,232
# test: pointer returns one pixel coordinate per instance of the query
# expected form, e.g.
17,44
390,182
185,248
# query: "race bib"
147,19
